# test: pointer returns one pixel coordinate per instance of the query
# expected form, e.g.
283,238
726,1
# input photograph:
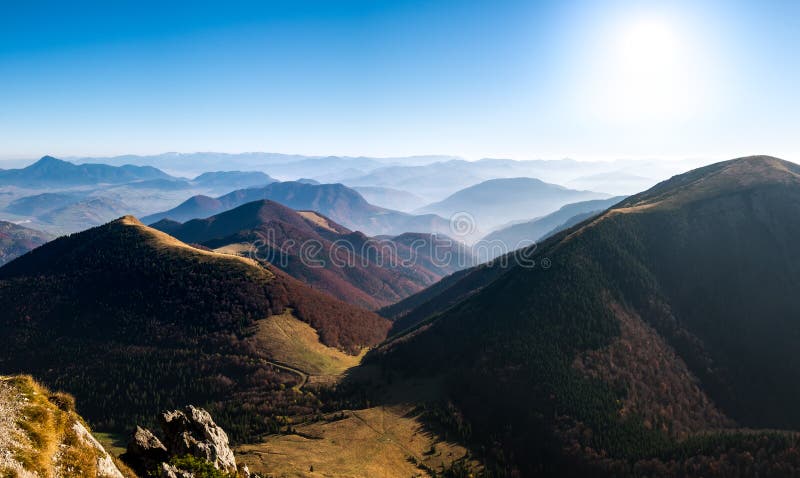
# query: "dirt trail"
303,375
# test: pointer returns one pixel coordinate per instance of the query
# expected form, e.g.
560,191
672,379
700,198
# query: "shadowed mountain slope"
132,320
671,314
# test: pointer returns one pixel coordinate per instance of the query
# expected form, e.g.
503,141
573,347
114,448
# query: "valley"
604,360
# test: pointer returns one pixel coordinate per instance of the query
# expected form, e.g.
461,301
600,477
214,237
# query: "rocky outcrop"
145,451
192,431
187,432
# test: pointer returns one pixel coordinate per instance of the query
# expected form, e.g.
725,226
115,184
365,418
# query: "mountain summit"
732,176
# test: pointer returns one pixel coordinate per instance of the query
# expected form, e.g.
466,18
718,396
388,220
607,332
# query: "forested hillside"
131,320
669,318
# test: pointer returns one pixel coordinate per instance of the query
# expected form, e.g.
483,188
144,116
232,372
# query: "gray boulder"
192,431
145,450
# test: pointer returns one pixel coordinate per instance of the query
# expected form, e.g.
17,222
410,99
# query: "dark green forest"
711,271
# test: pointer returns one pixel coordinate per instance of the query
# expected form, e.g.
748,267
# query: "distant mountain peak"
50,161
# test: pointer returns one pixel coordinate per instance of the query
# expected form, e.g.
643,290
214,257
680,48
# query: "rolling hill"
16,240
363,271
499,201
648,341
335,201
131,320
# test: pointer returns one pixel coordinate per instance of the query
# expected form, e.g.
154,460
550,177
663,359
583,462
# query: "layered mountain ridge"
336,201
311,247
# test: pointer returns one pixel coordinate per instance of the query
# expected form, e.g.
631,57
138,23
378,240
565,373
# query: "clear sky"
496,78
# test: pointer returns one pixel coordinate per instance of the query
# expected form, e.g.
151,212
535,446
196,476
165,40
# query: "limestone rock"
192,431
105,464
145,451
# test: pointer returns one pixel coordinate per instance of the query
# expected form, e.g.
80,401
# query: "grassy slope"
378,441
291,341
37,428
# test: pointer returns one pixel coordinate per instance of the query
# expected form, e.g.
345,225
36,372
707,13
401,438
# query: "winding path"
288,368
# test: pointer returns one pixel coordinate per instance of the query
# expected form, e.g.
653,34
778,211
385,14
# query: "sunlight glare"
645,72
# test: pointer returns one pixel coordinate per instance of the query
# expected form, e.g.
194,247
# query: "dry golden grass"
376,442
290,341
317,219
40,425
241,249
44,434
161,240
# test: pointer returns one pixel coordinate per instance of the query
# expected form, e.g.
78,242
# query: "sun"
649,49
647,72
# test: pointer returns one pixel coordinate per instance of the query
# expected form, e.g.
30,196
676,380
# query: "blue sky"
495,78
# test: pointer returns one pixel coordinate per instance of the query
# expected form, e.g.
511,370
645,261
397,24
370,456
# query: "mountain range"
647,341
285,166
311,247
336,201
49,171
436,180
62,197
430,177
